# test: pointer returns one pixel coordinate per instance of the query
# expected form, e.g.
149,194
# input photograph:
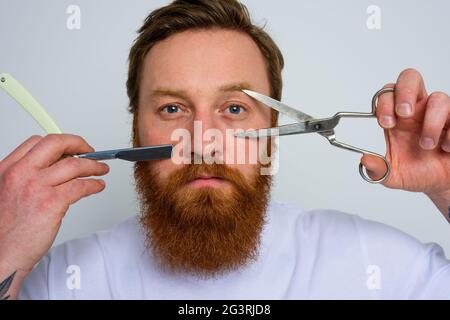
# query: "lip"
206,181
207,176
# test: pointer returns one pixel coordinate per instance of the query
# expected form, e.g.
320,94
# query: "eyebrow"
166,92
235,87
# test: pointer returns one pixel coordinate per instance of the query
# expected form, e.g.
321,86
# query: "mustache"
190,172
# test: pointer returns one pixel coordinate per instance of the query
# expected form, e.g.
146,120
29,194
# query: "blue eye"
171,108
235,109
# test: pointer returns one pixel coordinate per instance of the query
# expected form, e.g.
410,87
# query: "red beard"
207,230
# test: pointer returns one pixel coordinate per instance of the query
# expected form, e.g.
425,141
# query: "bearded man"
210,230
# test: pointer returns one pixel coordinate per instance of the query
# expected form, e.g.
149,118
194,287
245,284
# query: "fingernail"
403,109
387,121
427,143
446,147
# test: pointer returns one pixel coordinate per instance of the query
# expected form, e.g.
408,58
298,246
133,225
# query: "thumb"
375,167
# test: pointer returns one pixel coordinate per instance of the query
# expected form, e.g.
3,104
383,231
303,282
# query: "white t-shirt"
317,254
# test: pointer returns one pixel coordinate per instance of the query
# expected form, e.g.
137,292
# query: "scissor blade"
294,128
132,154
280,107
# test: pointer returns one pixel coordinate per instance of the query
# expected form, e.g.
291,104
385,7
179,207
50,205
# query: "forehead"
205,59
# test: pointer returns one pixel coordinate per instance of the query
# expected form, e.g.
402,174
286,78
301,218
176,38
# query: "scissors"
325,126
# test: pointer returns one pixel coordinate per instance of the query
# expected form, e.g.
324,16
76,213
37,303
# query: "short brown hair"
182,15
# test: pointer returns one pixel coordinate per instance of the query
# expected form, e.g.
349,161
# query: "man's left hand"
416,128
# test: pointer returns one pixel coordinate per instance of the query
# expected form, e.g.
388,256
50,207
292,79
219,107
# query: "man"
208,230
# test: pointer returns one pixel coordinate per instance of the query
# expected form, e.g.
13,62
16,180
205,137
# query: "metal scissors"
325,126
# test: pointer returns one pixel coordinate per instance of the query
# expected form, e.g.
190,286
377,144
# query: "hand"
416,128
36,189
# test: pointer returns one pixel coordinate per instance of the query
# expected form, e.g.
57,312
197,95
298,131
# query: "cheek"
264,119
249,171
245,150
152,137
152,132
164,168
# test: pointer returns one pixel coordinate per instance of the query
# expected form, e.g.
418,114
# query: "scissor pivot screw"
2,79
317,126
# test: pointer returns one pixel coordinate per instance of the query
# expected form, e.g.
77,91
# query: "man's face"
194,221
189,74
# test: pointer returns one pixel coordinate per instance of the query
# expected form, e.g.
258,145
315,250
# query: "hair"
183,15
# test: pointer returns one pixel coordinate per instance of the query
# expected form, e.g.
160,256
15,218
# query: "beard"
204,231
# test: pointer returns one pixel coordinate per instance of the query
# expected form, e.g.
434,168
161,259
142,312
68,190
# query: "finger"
436,114
77,189
385,109
72,168
53,147
446,142
409,89
375,167
19,152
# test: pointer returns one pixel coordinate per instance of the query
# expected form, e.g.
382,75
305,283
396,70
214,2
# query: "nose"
207,138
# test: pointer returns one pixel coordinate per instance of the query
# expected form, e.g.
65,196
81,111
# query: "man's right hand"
36,189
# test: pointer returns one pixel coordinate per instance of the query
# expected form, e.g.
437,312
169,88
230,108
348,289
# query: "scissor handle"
377,95
362,172
373,113
366,177
332,139
330,135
